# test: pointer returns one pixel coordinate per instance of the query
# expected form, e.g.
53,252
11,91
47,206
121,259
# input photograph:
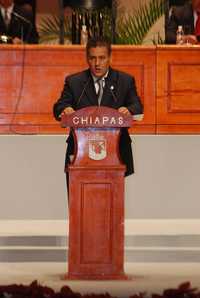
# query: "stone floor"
144,277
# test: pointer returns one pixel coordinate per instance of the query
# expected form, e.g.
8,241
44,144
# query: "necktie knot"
100,83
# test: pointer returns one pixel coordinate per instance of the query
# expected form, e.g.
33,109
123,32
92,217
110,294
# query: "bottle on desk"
179,35
84,35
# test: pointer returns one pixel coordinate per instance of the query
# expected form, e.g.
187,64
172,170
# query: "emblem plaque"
97,147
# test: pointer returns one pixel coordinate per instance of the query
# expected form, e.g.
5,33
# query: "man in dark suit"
116,90
187,16
16,23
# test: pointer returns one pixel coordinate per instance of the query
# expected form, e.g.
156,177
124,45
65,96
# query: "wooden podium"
96,194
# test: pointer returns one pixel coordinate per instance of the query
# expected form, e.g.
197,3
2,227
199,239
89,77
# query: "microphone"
21,18
113,94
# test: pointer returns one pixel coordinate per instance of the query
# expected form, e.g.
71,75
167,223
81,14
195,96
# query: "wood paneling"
167,79
178,89
33,78
140,61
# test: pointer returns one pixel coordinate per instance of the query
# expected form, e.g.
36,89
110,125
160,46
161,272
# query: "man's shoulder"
78,76
121,74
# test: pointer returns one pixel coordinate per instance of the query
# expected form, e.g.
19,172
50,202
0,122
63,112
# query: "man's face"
196,4
6,3
98,60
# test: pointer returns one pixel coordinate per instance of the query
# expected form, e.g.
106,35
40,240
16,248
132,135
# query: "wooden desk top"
167,79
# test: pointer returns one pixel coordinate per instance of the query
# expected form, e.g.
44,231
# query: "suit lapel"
192,24
191,18
110,88
111,84
16,23
90,89
13,24
188,18
2,24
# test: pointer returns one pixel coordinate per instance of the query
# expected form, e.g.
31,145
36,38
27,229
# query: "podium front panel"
96,223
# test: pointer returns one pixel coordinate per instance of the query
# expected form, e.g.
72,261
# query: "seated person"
16,23
187,16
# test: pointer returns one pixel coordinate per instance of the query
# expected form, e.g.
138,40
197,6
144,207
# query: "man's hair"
98,42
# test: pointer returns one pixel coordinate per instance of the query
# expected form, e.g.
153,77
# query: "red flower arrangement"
34,290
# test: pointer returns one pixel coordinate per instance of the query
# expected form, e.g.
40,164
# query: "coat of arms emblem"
97,148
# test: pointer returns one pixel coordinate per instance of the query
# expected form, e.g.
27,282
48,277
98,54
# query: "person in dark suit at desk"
16,24
100,85
187,16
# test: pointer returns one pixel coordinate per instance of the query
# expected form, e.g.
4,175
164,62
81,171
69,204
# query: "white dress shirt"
9,11
96,85
195,17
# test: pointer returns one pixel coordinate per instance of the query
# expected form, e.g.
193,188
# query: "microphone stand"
61,27
22,33
114,17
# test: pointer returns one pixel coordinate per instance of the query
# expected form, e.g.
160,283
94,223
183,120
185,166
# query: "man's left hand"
124,110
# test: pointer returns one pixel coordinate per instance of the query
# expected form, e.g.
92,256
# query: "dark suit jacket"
19,28
79,92
181,15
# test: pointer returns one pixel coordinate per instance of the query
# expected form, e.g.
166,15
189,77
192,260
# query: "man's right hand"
190,39
68,110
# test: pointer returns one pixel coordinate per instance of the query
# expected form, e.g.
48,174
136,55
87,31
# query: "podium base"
96,277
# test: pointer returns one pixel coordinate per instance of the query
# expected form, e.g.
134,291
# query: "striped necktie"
197,26
100,91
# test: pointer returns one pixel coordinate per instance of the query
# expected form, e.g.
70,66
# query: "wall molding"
145,240
132,227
